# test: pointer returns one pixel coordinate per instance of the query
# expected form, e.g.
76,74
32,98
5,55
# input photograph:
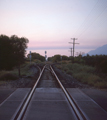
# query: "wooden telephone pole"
71,51
73,45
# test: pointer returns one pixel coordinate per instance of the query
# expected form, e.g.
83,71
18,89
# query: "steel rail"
22,111
78,113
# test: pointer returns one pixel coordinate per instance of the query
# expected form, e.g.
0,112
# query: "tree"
37,56
5,51
64,57
56,58
12,51
19,46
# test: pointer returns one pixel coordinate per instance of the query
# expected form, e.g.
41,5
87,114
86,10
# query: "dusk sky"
50,24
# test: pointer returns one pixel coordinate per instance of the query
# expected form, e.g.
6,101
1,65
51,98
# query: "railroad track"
21,112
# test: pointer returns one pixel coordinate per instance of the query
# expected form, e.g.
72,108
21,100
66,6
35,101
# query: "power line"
90,20
93,21
87,16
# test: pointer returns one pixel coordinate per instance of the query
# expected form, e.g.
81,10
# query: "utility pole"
73,45
71,52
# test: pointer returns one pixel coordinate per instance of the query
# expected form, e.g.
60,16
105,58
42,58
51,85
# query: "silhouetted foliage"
12,51
56,58
49,58
5,52
37,56
64,57
98,61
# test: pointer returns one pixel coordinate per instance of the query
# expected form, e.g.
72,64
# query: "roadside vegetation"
26,70
91,70
7,75
84,73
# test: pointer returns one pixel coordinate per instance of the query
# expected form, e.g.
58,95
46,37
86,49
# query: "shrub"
65,69
63,62
69,72
101,85
85,74
13,75
69,65
81,76
93,79
8,76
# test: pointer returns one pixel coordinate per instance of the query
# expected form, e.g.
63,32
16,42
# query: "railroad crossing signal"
45,55
45,52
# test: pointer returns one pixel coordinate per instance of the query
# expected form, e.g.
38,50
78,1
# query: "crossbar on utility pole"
73,45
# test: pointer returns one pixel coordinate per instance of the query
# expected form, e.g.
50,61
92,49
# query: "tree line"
12,51
98,61
35,55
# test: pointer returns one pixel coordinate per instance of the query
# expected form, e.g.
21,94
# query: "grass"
13,74
85,74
